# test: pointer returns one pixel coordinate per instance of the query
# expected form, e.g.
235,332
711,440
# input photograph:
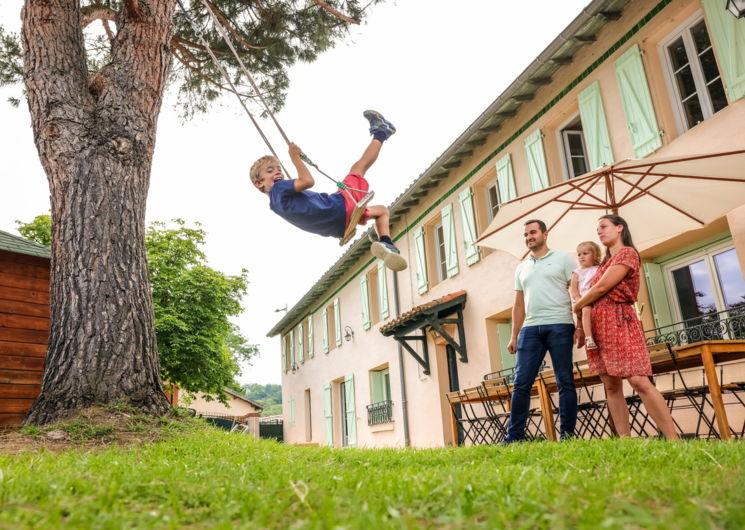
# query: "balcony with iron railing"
721,325
381,412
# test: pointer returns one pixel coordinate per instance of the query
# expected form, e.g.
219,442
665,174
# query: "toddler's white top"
584,275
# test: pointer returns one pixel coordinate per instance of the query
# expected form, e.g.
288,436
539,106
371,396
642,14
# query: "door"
454,385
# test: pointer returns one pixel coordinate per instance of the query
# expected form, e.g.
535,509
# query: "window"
370,296
441,265
331,326
309,337
707,284
380,409
697,86
348,415
575,153
491,192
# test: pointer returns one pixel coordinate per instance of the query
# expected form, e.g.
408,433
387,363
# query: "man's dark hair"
540,223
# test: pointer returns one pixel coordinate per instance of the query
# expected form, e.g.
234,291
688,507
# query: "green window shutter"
351,415
327,414
729,38
300,350
377,393
657,294
337,322
536,160
506,179
365,302
325,318
421,263
310,336
468,221
451,246
283,343
291,406
637,103
594,127
292,348
382,290
505,334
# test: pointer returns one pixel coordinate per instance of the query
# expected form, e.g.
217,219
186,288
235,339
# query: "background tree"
268,395
94,108
199,349
39,229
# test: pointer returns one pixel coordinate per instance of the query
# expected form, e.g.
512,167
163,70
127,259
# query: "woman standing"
622,351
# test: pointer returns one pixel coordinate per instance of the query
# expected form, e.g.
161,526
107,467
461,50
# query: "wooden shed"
24,324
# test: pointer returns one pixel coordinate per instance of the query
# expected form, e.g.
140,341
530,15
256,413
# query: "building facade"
626,79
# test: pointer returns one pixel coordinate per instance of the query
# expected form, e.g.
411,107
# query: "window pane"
579,165
730,278
700,37
717,95
493,201
441,254
693,112
709,65
694,290
678,55
685,82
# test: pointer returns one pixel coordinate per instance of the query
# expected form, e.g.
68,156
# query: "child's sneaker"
590,344
389,254
379,126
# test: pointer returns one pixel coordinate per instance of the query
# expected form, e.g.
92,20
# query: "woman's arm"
609,280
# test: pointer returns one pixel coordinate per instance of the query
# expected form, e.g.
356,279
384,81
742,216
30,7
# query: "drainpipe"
404,402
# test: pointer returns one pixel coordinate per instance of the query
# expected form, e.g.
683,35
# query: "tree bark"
95,139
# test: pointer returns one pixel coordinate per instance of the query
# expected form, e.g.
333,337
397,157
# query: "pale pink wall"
235,406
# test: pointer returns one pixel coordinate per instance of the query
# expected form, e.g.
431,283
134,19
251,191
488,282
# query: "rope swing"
359,205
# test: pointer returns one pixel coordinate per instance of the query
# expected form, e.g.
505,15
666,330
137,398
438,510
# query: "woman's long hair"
625,234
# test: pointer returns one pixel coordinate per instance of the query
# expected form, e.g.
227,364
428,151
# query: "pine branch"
224,21
181,40
334,12
132,10
94,12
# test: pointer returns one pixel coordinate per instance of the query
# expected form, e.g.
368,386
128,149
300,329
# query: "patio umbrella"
658,197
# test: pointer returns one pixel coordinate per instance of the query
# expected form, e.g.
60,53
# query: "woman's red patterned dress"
617,330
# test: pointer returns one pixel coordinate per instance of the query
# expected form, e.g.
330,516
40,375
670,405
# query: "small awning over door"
436,315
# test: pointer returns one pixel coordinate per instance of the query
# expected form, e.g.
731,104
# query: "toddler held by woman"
588,259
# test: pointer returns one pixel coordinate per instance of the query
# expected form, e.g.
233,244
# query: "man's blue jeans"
532,344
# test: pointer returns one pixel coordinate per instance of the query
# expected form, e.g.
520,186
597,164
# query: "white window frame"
490,213
561,140
706,254
440,252
698,75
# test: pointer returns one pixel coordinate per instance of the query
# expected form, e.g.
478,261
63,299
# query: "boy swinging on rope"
328,214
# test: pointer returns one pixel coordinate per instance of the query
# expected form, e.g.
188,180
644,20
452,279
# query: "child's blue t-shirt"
320,213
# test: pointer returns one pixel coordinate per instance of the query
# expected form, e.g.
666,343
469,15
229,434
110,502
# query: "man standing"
542,321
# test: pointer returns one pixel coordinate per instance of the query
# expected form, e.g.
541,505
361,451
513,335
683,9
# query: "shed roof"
19,245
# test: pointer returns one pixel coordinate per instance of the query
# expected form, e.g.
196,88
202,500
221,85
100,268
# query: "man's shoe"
378,124
389,254
509,441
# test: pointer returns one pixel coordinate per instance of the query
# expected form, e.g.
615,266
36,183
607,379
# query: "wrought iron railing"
381,412
722,325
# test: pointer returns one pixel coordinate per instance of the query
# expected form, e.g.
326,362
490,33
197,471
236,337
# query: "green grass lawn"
206,478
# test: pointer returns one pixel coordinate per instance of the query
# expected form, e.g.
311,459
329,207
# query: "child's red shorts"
359,183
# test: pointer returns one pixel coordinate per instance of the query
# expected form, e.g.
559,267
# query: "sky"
430,66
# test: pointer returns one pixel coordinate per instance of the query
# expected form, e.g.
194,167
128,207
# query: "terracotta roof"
421,309
19,245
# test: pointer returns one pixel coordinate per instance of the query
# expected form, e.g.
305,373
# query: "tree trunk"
95,139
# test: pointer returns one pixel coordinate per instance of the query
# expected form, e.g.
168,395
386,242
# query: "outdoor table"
705,354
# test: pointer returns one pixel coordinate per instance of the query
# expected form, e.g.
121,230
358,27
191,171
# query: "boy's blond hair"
594,248
255,171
